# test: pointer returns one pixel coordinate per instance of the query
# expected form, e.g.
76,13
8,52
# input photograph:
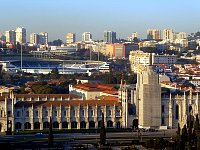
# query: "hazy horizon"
78,16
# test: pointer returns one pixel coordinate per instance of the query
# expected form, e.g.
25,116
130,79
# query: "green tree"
50,136
102,132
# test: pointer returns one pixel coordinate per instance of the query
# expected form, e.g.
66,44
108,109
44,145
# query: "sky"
58,17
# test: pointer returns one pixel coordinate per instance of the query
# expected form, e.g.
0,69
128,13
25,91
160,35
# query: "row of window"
73,113
65,125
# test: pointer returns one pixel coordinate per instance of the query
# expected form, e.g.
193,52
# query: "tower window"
163,108
177,112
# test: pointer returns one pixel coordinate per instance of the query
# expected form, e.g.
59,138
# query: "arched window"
177,112
46,125
27,113
83,125
99,124
27,125
36,125
18,125
46,113
36,113
55,124
109,124
91,124
118,125
18,113
55,113
74,125
65,124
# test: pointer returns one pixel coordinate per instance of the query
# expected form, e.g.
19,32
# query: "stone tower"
123,98
149,98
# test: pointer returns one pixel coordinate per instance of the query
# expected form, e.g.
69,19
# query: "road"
83,136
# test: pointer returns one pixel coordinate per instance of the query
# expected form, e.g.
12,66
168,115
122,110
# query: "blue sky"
57,17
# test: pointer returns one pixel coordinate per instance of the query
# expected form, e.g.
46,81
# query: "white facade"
86,37
34,38
43,38
164,59
168,34
153,34
139,59
70,38
20,34
10,36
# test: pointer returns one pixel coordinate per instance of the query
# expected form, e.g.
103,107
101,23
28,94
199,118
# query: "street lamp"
21,57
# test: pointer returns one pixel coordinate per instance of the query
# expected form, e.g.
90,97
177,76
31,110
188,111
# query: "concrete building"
153,34
43,38
168,34
70,38
109,36
20,34
133,36
139,59
86,37
34,38
10,36
180,35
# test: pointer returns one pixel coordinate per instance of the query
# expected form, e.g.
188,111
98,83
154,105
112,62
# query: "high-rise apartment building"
43,38
180,35
20,34
168,34
86,37
134,35
109,36
10,36
153,34
34,38
70,38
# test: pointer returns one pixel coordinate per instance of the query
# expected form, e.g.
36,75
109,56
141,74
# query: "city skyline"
123,17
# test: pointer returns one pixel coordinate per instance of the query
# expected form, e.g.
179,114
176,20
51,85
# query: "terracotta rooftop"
96,87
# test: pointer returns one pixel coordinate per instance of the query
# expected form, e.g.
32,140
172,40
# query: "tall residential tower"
109,36
20,34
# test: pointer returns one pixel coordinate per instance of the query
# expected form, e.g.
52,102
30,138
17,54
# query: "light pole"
21,57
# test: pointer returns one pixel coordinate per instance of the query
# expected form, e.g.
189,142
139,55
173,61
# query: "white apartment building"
43,38
10,36
163,59
20,34
139,59
70,38
34,38
180,35
86,37
153,34
133,35
168,34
